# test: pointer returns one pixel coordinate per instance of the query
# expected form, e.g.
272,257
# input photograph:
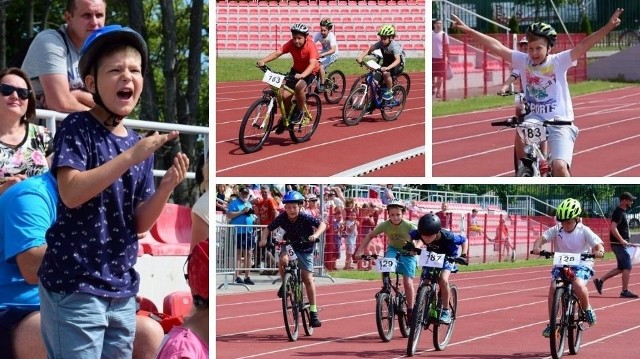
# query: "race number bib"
431,259
566,259
291,252
532,131
273,79
386,265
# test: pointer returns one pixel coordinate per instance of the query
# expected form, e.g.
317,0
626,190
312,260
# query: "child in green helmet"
392,57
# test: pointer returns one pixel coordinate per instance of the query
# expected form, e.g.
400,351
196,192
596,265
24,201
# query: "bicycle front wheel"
384,316
290,309
335,86
574,326
403,80
255,126
558,329
628,39
392,109
303,131
357,82
355,107
442,332
420,317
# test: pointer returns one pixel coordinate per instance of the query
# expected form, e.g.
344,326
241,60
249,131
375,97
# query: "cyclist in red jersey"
305,65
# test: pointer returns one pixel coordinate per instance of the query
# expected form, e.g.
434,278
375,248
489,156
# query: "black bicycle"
391,302
428,305
567,319
335,85
629,38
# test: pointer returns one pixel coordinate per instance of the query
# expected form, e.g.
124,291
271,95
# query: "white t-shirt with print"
581,240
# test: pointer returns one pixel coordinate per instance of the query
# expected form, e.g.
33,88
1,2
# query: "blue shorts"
328,60
305,260
9,319
622,256
583,272
406,264
561,141
244,240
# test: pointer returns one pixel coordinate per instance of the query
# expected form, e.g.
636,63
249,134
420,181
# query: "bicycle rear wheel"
420,318
442,332
335,86
384,316
401,313
392,109
255,127
303,131
558,329
355,107
574,328
403,80
290,309
628,39
305,312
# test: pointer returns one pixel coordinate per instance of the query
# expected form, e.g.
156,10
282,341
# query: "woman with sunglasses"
24,147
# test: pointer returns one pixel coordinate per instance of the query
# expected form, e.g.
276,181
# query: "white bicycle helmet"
300,27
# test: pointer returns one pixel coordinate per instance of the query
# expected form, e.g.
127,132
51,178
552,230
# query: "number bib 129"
431,259
386,265
273,79
566,259
291,253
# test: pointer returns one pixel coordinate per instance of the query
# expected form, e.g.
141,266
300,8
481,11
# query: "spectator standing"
351,225
445,217
619,237
221,198
24,147
370,214
53,58
267,211
241,215
387,194
439,50
502,244
200,210
107,196
312,206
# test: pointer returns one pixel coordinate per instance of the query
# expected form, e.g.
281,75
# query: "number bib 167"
273,79
431,259
386,265
566,259
291,253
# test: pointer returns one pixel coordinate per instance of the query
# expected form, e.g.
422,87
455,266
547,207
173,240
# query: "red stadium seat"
173,225
177,304
149,245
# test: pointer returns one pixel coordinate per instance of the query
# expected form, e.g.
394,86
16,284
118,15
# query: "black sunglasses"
7,90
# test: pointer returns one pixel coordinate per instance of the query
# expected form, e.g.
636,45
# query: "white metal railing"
51,117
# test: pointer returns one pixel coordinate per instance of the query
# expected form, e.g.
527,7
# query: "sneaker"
590,316
239,280
387,95
248,280
627,294
279,128
296,117
369,109
598,283
547,331
320,88
281,291
445,316
315,322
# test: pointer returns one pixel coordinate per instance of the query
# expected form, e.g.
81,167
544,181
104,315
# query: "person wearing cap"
104,170
515,73
241,215
312,206
619,237
190,340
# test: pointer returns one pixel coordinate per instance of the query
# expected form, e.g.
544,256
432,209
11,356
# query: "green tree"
585,25
513,25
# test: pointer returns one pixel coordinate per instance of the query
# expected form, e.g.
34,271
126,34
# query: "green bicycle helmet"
326,22
542,29
568,209
387,30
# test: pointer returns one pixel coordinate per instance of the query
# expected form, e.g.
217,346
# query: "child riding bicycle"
392,57
515,74
329,53
304,70
571,236
302,231
442,241
544,79
397,230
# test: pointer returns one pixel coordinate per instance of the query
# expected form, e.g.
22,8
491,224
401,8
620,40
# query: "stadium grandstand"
261,26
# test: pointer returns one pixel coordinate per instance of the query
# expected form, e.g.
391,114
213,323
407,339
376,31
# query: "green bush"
585,25
492,29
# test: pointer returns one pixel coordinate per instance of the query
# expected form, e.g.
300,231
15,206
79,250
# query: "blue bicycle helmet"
110,36
293,197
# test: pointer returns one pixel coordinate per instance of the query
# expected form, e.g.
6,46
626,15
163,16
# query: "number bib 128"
386,265
273,79
431,259
566,259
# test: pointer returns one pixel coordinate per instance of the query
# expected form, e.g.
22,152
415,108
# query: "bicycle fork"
267,115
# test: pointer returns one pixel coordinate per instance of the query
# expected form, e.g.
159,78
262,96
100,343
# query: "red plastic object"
177,304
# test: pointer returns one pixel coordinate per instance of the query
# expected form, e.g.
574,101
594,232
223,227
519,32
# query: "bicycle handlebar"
514,122
462,259
508,93
548,254
266,68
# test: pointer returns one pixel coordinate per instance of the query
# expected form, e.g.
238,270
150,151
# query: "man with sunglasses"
52,59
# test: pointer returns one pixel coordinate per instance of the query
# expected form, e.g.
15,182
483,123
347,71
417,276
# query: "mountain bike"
295,304
390,300
532,129
567,319
629,38
402,79
428,304
258,121
368,97
334,86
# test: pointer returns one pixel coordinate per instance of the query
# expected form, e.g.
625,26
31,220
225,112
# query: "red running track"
501,315
333,148
466,145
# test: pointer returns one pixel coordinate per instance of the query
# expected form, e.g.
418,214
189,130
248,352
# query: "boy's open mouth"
125,94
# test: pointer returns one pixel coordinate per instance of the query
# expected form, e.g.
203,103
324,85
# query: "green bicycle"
258,121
